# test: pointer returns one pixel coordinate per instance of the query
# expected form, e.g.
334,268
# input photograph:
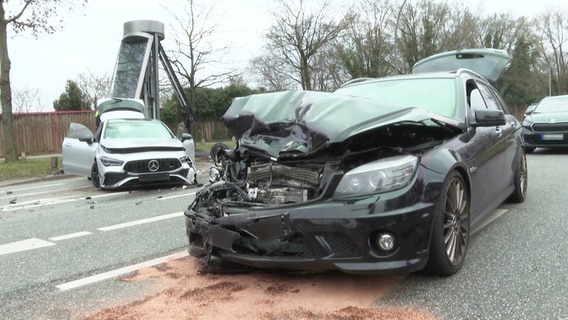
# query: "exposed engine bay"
247,177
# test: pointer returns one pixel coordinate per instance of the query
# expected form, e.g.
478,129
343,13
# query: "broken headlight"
378,176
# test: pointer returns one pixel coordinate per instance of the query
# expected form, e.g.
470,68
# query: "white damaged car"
127,150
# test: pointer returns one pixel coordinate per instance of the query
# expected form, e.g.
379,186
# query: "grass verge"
28,168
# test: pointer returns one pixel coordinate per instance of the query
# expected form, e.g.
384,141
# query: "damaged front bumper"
317,237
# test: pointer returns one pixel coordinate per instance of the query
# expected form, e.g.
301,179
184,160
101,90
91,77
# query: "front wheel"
529,149
95,176
450,233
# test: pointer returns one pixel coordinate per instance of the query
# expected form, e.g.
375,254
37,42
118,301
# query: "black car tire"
521,180
451,225
529,149
95,176
215,154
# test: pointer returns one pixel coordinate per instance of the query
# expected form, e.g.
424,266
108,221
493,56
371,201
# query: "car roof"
441,74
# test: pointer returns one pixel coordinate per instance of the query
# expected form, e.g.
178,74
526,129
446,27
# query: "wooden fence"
43,132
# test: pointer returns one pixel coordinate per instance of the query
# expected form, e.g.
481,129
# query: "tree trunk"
10,151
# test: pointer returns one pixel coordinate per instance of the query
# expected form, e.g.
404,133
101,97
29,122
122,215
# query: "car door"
505,139
78,150
487,160
512,138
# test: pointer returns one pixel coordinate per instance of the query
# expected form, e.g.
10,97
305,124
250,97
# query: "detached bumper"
324,236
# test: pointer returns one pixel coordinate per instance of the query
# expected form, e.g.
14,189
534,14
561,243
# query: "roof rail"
356,80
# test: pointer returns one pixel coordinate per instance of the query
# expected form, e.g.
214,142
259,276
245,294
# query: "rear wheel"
450,233
95,176
521,180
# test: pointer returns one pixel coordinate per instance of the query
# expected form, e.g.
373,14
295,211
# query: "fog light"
386,241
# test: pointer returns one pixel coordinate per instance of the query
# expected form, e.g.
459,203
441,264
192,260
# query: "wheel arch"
441,165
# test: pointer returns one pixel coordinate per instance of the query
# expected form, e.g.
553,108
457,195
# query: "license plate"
558,136
154,177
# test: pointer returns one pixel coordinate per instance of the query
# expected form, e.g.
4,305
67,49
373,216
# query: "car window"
436,95
553,104
489,97
135,129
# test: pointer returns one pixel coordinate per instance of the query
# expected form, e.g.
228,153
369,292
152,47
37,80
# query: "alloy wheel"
456,222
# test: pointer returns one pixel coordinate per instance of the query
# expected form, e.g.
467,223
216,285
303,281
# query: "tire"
451,226
521,180
529,149
214,153
95,176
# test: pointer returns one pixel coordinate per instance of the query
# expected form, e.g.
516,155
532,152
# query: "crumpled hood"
303,121
141,145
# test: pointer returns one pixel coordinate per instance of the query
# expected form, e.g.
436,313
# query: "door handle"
499,132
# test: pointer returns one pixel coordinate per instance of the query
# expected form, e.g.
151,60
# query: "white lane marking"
52,201
490,218
70,236
39,192
142,221
24,245
177,196
118,272
30,188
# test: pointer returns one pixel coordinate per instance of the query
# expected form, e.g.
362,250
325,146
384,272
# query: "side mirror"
186,136
89,140
489,118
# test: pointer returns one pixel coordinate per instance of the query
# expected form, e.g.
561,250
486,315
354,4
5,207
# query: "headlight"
184,159
378,176
527,123
110,162
214,175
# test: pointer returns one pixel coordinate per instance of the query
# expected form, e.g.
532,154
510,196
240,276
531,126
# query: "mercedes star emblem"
153,165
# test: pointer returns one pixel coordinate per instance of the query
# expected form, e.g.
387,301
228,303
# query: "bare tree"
366,49
553,25
94,86
194,50
35,16
26,99
298,36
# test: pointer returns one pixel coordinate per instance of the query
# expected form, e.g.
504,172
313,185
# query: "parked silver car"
127,150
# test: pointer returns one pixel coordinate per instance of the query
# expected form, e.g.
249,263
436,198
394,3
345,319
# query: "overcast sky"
90,39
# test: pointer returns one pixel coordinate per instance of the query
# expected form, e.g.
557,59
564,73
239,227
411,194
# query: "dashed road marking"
142,221
118,272
71,236
52,201
177,196
24,245
13,195
31,188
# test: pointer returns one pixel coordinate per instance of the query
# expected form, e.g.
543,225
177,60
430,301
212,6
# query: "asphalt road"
54,233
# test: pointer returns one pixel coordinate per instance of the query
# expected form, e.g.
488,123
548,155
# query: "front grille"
341,245
112,178
141,166
550,127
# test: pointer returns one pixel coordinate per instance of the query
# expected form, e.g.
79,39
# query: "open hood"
299,122
489,63
119,108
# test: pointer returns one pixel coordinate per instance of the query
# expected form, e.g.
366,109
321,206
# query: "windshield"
553,104
136,129
435,95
